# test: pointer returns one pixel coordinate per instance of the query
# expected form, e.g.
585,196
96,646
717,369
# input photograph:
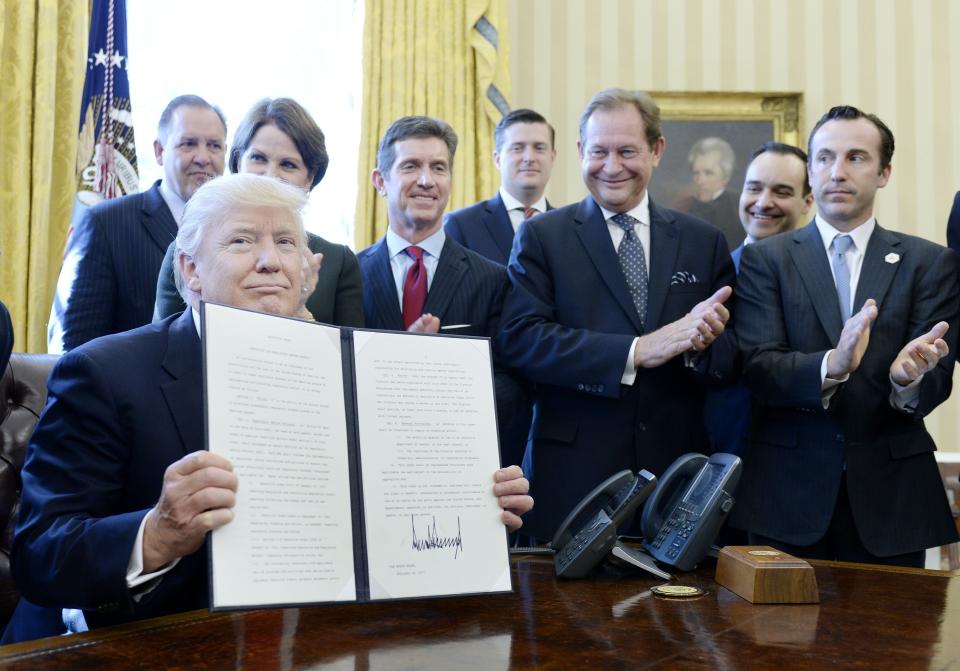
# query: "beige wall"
892,57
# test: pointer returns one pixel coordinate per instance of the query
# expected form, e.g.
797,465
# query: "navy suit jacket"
727,410
788,317
466,289
484,228
953,225
119,411
109,277
569,322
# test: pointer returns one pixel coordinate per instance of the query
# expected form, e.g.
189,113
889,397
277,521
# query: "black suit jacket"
484,228
109,277
337,300
466,289
6,338
119,411
788,317
953,225
569,322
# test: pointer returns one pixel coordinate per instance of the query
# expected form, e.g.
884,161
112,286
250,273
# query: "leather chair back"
23,393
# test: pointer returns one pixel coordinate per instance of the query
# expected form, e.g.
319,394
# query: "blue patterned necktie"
633,263
841,272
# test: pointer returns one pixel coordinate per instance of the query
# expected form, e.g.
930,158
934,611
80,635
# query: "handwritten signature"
434,541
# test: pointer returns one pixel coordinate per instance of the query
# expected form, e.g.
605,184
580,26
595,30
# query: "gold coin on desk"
677,591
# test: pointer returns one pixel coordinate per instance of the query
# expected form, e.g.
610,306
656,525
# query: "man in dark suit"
109,277
118,492
620,354
846,330
775,198
418,278
953,225
523,153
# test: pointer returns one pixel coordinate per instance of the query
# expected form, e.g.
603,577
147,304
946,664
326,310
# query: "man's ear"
158,151
377,178
188,269
807,203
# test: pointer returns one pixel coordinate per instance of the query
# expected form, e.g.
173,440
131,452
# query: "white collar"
861,234
174,202
431,245
641,212
512,203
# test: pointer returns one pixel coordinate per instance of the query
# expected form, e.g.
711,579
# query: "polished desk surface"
869,618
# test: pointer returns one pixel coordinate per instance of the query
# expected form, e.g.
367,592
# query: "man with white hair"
118,492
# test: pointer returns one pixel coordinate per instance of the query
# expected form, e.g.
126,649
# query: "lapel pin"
891,258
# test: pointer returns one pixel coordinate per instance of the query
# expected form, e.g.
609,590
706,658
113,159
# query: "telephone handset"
684,515
590,531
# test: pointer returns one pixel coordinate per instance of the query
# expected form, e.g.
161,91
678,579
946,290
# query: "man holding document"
118,491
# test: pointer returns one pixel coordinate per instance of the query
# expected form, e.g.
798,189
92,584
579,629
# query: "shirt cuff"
828,385
135,575
905,398
630,370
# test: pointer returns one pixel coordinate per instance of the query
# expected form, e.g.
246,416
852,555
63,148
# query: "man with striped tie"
847,331
523,153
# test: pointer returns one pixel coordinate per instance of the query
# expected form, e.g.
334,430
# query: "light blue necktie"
841,272
633,263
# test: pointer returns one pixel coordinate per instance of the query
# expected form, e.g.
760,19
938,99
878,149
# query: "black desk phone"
680,521
589,533
683,516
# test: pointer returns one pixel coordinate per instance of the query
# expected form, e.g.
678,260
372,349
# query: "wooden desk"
874,618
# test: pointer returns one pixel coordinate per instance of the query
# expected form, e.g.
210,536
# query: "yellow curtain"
440,58
43,47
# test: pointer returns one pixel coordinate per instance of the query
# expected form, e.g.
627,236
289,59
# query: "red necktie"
529,212
414,287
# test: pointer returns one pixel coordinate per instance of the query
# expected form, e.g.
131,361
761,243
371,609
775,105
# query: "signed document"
365,462
426,416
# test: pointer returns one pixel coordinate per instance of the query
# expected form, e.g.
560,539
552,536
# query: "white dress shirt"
641,229
400,261
902,398
173,201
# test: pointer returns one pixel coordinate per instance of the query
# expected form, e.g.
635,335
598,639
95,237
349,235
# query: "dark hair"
519,116
295,122
408,127
610,99
187,100
850,113
772,147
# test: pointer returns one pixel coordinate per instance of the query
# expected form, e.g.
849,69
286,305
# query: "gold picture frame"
710,137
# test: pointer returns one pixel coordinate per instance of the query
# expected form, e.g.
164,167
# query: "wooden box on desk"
762,574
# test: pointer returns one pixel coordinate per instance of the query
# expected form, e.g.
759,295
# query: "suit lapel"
157,218
497,221
814,271
383,289
183,361
451,267
875,273
664,248
595,237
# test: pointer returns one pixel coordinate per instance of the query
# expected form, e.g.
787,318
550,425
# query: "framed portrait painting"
709,139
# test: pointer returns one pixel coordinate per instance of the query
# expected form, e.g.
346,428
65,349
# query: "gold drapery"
43,48
439,58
